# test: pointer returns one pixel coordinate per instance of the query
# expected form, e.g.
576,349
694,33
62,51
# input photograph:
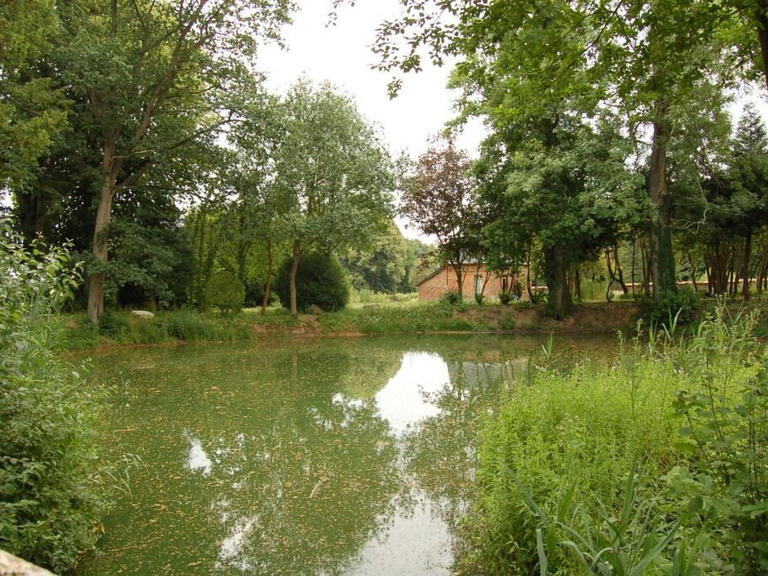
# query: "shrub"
113,325
479,298
505,298
188,325
50,498
657,464
320,282
452,298
539,298
670,308
225,291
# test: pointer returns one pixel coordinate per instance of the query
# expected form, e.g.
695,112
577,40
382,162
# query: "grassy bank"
121,328
656,465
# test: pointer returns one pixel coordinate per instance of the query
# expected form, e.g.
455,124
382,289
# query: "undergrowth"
656,465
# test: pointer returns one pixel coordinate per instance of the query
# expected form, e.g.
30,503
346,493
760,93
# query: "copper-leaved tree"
440,199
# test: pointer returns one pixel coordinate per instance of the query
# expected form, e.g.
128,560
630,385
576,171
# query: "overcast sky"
342,55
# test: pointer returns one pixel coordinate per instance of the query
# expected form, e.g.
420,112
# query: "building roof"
444,266
432,275
468,262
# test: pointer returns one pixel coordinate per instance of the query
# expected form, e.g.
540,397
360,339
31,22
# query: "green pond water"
334,456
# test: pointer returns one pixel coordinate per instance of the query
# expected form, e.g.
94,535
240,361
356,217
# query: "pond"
317,456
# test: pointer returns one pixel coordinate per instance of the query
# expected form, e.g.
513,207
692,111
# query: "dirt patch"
592,318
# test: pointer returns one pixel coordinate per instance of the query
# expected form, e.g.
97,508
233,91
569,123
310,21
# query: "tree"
149,78
261,204
33,110
749,178
522,60
334,170
440,198
380,267
319,282
729,207
566,189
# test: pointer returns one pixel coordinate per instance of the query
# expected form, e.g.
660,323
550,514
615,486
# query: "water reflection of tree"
440,455
300,475
310,493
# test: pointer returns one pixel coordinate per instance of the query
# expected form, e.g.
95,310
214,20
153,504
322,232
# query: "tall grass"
654,465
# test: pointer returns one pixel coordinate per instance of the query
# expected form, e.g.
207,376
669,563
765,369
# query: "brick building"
475,274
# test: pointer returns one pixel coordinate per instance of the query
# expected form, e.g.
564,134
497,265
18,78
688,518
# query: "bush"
225,291
113,325
479,298
320,282
452,298
50,499
670,308
505,298
655,465
539,298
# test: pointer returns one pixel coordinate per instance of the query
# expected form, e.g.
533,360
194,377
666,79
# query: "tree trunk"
457,268
662,256
761,16
577,285
762,270
619,271
611,277
746,273
96,281
559,302
693,273
292,277
268,284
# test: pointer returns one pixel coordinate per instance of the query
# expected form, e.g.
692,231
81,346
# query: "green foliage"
452,298
152,257
50,491
320,282
539,298
479,298
113,325
655,464
507,323
505,298
726,411
224,291
411,319
332,167
382,267
670,308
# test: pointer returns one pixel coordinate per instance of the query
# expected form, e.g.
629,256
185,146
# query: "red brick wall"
445,281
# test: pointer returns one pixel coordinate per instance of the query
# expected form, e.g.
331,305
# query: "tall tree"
152,77
335,170
440,198
33,109
565,188
748,175
262,204
521,60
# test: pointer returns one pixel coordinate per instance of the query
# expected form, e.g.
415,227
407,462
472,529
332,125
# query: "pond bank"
121,328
